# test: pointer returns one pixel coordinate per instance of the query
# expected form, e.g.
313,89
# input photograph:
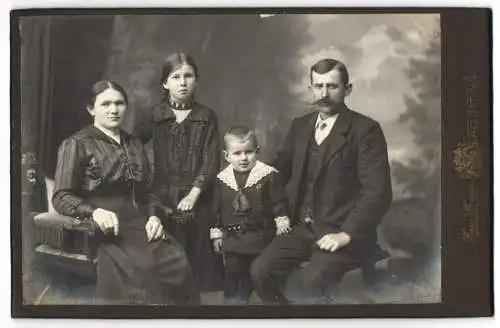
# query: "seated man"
335,161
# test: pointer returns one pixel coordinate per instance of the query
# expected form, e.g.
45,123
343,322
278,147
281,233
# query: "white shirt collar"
329,121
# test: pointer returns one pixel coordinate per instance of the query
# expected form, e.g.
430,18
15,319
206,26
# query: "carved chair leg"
41,295
86,245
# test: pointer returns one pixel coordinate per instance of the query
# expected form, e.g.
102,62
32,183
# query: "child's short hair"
241,133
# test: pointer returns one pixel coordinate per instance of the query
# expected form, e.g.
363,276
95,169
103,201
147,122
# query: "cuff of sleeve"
282,221
280,211
216,233
349,229
85,211
155,210
199,182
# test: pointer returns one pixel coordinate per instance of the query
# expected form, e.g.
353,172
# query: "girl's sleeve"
153,193
216,227
211,156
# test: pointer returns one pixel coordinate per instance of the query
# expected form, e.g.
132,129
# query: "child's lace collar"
258,172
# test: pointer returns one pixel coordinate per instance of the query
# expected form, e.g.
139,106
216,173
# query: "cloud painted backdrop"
254,70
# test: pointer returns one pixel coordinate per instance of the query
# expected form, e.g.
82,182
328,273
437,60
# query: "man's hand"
333,241
154,229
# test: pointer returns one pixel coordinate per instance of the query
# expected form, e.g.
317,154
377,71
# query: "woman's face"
108,109
181,83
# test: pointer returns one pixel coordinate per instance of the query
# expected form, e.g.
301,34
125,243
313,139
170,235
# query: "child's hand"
282,225
217,245
216,236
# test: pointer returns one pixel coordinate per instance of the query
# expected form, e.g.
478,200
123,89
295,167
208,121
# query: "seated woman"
104,175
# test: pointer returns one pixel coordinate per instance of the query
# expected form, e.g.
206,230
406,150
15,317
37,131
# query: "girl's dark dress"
187,154
94,171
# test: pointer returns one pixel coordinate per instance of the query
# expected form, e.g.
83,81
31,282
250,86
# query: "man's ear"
348,89
225,154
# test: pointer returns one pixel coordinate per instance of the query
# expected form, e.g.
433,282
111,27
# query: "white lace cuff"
282,222
216,233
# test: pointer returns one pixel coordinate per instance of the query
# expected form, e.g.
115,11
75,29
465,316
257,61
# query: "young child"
250,209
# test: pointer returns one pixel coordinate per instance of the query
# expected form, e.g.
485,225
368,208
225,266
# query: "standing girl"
186,160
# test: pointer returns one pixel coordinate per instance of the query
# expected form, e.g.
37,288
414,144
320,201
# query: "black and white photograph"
231,159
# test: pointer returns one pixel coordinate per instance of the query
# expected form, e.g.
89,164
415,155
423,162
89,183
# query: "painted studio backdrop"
253,70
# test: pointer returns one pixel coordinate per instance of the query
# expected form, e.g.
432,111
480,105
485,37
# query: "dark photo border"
467,175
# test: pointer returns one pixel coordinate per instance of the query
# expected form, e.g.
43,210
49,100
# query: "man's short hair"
328,64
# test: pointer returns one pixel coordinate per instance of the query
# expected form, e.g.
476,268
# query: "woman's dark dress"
187,154
94,171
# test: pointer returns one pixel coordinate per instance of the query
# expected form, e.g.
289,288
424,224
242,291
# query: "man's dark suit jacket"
352,189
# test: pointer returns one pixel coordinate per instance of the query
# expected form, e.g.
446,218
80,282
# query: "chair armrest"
55,220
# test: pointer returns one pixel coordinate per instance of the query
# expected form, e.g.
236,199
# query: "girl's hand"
188,202
106,220
154,229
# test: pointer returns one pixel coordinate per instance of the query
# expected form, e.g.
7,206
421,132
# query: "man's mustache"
323,102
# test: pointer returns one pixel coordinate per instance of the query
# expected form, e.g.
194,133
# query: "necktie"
320,133
241,204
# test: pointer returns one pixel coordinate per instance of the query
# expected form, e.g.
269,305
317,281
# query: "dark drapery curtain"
36,98
36,92
62,56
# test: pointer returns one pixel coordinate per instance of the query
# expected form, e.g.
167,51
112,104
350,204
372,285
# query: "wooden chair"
63,244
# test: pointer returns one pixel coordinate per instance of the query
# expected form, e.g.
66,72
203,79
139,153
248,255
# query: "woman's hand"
154,229
106,220
188,202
